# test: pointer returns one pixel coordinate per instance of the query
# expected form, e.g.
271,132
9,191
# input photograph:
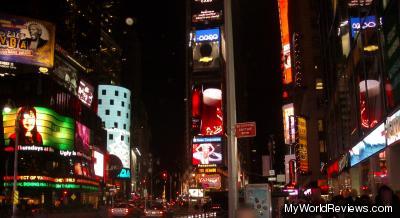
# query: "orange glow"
285,38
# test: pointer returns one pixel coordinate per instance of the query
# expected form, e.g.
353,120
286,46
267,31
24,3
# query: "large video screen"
39,126
369,146
288,123
206,50
98,164
207,150
66,75
85,92
25,40
82,138
283,6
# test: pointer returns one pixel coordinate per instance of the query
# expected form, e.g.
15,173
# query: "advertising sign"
244,130
25,40
207,150
369,146
196,193
67,75
40,127
98,163
283,6
206,11
393,128
85,93
209,181
82,138
259,197
302,146
290,169
288,123
357,23
206,50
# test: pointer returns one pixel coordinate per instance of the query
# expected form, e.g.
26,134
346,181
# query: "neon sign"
29,179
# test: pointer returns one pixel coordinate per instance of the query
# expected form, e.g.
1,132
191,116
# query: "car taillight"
126,210
112,210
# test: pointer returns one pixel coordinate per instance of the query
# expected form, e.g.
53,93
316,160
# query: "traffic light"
164,175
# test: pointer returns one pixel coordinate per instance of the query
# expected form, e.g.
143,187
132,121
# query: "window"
111,101
116,93
107,112
100,101
115,124
129,106
111,136
103,92
124,94
104,123
128,139
122,138
125,126
119,113
122,103
127,116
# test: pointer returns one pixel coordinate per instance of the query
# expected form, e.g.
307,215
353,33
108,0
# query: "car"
123,210
155,210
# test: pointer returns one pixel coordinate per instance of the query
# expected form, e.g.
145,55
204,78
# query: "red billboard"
211,181
283,6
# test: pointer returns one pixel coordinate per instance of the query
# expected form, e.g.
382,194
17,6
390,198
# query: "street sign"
272,172
245,130
73,197
281,178
16,197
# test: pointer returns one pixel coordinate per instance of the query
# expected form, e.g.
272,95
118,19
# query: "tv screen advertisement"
206,50
207,150
357,23
85,93
27,41
370,145
82,138
98,163
40,127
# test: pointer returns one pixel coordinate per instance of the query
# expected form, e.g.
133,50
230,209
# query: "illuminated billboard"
393,128
357,23
206,49
209,181
82,138
196,193
114,108
370,145
85,93
206,11
98,163
66,75
207,116
283,6
207,150
302,146
39,127
25,40
288,123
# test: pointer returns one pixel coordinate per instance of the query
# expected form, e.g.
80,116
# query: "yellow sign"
16,197
302,147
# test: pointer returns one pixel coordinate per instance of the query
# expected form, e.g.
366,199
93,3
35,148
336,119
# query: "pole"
14,208
231,111
170,188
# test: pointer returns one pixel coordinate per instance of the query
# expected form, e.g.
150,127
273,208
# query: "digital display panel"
288,123
82,138
206,50
357,23
369,146
209,181
40,127
98,164
283,6
393,128
85,93
196,193
66,74
207,150
25,40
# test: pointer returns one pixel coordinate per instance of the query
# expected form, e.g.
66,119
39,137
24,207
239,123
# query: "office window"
107,112
125,126
111,136
103,92
128,139
124,94
111,101
104,123
122,103
116,93
100,101
115,124
119,113
127,116
122,137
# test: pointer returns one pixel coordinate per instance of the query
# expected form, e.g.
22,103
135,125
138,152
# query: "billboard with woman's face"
38,126
207,150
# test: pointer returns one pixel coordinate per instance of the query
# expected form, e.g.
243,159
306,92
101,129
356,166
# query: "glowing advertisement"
82,137
207,150
25,40
39,127
98,163
302,145
206,11
288,123
393,128
370,145
66,74
283,6
85,93
212,181
206,49
357,23
196,193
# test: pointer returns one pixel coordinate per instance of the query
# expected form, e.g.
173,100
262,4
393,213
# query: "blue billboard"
356,23
370,145
207,35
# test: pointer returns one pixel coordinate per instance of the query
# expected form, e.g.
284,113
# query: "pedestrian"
386,197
